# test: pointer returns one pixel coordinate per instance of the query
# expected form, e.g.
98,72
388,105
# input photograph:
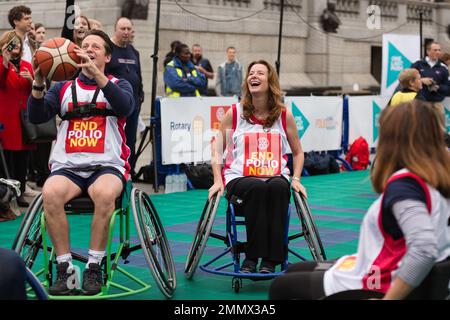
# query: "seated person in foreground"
406,230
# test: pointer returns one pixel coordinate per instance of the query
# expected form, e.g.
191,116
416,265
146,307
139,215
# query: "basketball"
57,59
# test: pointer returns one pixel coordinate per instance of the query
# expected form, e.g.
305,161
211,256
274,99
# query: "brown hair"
7,37
407,76
108,43
38,25
274,100
17,13
412,137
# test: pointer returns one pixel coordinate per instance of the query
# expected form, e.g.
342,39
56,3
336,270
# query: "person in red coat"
16,78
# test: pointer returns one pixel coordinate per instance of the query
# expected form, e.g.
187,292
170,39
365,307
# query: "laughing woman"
256,134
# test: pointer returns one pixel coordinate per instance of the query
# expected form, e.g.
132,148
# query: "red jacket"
14,92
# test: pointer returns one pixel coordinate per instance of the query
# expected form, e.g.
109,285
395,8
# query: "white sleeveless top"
375,265
91,141
255,151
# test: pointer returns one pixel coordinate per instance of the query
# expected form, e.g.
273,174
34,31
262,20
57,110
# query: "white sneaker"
30,192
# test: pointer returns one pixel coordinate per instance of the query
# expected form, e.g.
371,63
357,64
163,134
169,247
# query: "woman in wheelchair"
405,231
256,135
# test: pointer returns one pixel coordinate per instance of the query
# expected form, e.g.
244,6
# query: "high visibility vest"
402,97
175,94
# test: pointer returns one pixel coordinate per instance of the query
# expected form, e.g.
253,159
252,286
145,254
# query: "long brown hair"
412,137
274,101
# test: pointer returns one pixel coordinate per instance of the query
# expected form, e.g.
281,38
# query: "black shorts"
85,183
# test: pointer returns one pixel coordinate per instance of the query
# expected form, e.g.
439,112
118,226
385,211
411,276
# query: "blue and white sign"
319,121
399,52
363,117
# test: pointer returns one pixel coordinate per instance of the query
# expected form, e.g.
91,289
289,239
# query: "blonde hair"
412,137
95,24
407,76
7,37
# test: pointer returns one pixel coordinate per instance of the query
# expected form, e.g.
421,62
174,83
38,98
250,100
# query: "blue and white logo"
300,120
396,63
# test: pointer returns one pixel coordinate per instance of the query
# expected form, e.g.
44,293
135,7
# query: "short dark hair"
231,47
17,13
108,43
429,44
174,44
180,48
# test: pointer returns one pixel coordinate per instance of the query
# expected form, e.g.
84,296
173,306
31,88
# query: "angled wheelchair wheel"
36,285
28,240
154,242
310,231
201,236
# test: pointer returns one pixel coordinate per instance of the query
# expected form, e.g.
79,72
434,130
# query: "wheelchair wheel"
28,240
201,235
311,234
154,242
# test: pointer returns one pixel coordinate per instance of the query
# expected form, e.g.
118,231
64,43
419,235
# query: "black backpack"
320,163
7,193
201,175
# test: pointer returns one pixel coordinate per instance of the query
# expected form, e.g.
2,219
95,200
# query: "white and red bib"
255,151
376,263
90,141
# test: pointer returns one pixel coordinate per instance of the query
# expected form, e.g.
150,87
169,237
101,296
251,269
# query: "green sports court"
337,201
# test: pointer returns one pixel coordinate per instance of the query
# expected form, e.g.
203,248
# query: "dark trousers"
17,162
38,166
12,276
265,205
302,281
130,132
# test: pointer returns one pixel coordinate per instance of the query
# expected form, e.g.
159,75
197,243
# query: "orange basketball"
57,59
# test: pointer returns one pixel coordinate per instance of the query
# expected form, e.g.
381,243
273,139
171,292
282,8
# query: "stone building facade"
310,57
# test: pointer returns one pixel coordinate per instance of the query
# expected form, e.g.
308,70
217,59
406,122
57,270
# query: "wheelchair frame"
32,237
203,232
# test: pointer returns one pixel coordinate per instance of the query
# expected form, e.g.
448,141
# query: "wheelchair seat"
85,204
234,247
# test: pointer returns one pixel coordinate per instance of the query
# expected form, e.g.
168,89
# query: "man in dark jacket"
181,78
434,74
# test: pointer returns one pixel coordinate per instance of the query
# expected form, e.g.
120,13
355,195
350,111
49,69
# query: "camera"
434,87
12,44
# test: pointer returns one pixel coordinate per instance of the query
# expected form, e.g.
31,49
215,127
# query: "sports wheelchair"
32,244
235,247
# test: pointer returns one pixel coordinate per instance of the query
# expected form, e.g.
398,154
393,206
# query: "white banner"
399,52
187,126
319,121
363,115
446,104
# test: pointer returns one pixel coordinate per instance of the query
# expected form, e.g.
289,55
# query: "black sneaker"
267,266
92,279
248,266
62,287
